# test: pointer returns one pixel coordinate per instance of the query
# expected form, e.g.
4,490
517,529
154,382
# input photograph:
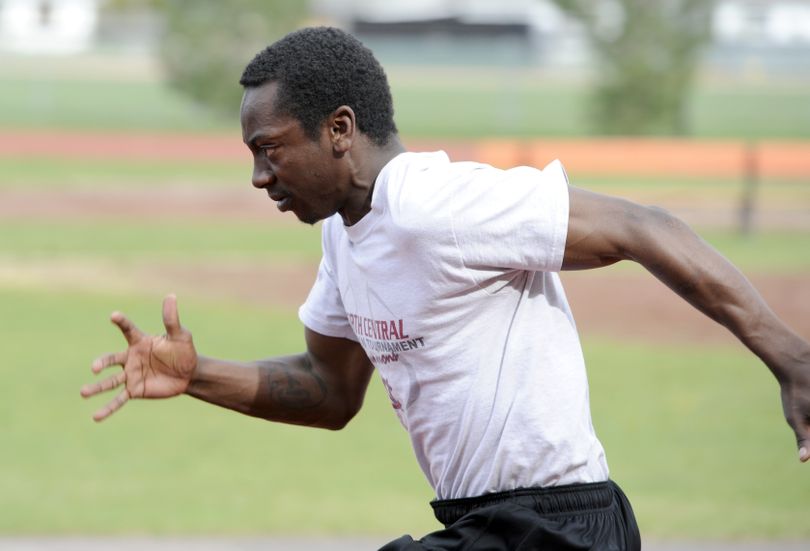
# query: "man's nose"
262,177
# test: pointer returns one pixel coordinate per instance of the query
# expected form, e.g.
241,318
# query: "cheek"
323,179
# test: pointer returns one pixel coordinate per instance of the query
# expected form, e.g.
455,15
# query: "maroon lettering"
387,330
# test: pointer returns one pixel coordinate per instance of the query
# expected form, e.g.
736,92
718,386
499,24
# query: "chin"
309,218
313,216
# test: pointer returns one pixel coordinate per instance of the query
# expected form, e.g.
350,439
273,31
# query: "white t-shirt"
449,283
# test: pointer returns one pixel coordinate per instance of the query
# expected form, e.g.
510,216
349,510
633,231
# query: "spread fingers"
116,358
103,386
114,405
131,333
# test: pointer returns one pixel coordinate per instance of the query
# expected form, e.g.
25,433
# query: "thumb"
171,319
796,405
801,427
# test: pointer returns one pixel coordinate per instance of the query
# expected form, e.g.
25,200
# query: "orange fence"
598,156
643,156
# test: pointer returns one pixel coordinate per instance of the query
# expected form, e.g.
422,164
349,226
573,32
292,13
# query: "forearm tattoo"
292,387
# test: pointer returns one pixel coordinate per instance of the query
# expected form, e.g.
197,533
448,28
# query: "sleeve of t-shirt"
512,219
323,311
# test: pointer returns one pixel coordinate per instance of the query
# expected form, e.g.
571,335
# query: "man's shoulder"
425,179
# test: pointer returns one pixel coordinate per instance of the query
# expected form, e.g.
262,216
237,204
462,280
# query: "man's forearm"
708,281
286,389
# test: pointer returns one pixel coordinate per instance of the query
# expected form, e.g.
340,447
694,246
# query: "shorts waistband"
546,501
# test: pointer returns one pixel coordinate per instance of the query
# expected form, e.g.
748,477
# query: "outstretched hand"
154,366
796,406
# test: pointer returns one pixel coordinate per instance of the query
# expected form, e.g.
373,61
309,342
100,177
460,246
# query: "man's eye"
269,149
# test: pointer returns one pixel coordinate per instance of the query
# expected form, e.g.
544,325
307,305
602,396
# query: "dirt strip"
636,306
608,303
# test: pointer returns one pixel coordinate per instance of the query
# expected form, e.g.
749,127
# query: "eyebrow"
263,136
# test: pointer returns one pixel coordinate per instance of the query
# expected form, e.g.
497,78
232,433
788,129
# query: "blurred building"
60,27
750,36
507,32
761,37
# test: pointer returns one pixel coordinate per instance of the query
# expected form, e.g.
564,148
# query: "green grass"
179,465
468,107
102,105
752,111
697,439
131,239
694,436
100,175
429,103
764,252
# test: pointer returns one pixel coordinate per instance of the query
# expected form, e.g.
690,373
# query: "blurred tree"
646,53
206,44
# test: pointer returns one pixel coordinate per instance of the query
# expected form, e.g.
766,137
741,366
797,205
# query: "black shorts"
580,516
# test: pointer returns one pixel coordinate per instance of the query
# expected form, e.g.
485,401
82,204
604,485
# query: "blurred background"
123,177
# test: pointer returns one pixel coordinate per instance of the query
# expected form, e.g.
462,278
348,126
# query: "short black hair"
318,69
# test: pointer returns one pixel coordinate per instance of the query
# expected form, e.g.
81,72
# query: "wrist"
198,375
790,359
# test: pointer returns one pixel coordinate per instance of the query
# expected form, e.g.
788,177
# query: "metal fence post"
749,189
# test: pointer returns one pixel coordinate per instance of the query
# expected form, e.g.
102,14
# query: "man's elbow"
651,232
339,421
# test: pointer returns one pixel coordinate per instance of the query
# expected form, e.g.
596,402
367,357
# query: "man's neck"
366,175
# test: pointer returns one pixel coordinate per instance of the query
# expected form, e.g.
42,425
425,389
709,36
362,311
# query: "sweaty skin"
325,385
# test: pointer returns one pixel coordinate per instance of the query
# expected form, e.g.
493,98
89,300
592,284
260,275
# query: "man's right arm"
322,387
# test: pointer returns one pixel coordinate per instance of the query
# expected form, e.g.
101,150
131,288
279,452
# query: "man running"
443,276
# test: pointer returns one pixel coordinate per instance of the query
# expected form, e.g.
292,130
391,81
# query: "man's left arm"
603,230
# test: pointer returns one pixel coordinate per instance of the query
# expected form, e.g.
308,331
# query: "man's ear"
342,128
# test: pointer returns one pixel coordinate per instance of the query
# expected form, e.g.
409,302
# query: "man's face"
301,175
